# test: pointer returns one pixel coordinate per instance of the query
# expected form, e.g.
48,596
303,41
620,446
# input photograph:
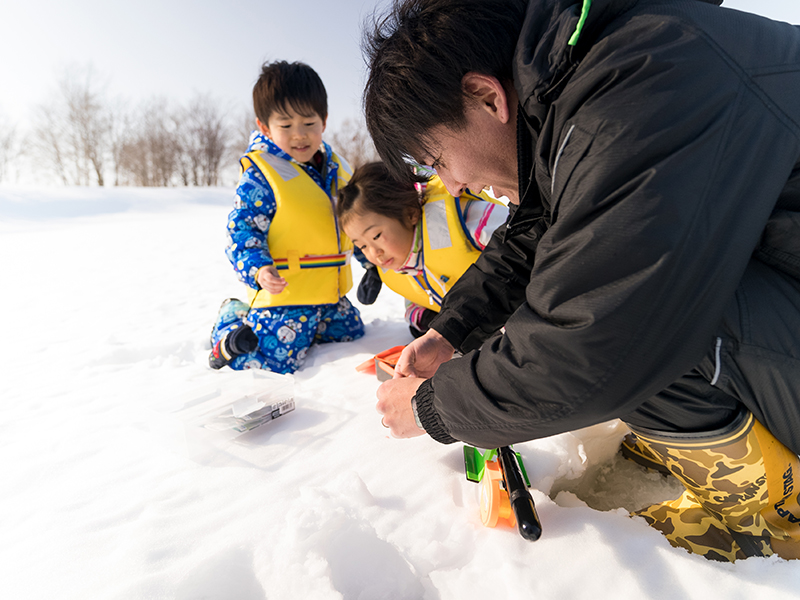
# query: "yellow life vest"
447,248
307,247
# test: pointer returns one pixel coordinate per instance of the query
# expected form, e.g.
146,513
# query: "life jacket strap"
293,261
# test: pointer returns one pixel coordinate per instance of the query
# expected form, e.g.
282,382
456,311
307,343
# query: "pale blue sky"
782,10
174,48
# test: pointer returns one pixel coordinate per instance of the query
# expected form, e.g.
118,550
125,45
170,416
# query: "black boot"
238,341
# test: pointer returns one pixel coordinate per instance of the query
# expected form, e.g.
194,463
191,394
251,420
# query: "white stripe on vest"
438,233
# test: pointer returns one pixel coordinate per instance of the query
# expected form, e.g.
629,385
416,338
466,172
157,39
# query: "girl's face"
386,242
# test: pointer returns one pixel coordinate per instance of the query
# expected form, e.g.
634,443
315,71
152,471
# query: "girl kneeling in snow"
420,238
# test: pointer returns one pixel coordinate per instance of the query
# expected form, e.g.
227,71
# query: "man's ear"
489,93
262,128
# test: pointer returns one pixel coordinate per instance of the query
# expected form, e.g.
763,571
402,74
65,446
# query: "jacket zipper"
558,156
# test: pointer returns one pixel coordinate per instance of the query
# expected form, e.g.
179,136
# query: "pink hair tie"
420,187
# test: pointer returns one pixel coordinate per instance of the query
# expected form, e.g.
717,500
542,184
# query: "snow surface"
108,300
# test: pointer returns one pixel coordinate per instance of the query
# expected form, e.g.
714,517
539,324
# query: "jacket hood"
544,57
543,63
258,141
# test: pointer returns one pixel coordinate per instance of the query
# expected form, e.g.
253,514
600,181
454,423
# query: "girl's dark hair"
372,188
283,84
417,56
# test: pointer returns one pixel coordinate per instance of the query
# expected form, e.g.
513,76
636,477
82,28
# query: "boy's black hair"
295,85
417,56
373,189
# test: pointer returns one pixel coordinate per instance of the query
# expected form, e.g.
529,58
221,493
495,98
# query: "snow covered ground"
107,303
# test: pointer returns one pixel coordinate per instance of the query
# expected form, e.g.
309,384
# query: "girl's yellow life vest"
447,248
307,247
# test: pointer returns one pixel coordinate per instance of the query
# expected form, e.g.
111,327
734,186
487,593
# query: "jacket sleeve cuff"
450,330
431,422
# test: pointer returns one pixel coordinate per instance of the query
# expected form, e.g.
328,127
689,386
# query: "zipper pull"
430,297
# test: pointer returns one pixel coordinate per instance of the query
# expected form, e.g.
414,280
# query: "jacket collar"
322,176
544,61
530,208
544,58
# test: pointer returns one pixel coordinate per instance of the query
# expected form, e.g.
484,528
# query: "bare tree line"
81,137
353,142
9,148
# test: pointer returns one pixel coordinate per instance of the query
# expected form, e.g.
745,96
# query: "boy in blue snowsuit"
283,238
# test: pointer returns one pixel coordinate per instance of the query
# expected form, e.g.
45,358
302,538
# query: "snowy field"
108,300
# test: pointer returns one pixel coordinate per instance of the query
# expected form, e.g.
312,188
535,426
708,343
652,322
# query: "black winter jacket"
657,157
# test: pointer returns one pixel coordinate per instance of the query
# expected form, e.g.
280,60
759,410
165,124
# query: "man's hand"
423,356
269,280
394,403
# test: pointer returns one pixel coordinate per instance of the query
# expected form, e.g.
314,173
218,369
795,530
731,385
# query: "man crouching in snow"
650,267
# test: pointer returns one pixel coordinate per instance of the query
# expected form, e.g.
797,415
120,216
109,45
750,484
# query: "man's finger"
405,365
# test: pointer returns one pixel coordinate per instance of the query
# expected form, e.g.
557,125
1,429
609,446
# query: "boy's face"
298,136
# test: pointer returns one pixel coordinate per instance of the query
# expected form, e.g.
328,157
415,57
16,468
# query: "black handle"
528,522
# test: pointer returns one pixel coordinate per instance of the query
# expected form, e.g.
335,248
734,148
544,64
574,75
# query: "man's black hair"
417,56
295,85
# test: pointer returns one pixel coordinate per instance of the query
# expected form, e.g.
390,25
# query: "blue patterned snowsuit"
285,333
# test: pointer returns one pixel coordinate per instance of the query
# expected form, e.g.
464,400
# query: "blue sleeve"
248,226
359,256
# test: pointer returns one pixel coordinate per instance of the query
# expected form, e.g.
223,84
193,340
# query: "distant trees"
204,140
354,143
245,125
71,131
9,147
82,137
119,133
149,153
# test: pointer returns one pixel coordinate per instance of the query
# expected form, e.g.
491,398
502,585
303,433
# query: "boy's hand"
269,280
